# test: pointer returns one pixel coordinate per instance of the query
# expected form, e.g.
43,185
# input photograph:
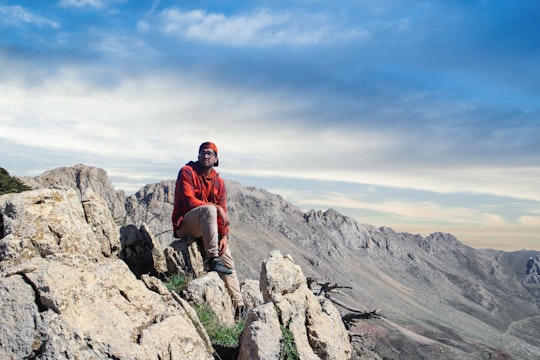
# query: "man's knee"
209,212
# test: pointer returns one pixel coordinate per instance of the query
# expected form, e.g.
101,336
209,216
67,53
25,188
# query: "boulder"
141,251
65,295
102,224
82,177
185,256
314,322
210,291
51,221
262,334
251,293
83,309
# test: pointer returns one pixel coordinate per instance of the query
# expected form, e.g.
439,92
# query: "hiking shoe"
217,265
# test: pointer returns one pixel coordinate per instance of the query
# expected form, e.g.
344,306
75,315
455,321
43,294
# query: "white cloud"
259,28
530,221
18,16
150,117
117,45
88,3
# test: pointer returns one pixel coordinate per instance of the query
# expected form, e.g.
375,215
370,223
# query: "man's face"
207,157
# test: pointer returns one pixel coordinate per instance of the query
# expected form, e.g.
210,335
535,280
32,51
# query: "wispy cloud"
115,45
74,105
261,27
80,4
19,16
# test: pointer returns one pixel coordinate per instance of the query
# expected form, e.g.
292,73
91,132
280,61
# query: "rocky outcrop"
74,285
533,266
52,221
532,276
142,252
314,323
64,293
81,177
261,338
76,308
153,205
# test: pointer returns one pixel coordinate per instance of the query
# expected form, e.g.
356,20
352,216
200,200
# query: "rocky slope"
440,298
64,294
67,291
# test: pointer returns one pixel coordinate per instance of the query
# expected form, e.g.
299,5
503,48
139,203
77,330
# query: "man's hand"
223,214
222,245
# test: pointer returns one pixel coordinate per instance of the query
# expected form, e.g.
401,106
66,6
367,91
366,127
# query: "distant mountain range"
440,299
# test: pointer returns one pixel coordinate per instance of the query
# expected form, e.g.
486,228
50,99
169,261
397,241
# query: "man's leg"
231,281
202,222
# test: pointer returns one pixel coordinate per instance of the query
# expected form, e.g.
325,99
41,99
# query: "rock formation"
66,295
81,177
74,285
314,322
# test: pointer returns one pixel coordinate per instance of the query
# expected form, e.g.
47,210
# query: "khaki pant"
201,222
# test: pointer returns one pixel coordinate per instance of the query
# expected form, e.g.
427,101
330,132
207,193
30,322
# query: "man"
200,211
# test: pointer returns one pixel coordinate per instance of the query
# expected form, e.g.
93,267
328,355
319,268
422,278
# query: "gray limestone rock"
65,295
261,337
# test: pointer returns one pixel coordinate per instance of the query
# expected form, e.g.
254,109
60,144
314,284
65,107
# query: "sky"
422,116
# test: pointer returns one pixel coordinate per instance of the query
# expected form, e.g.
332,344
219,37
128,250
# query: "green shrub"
9,184
177,283
288,349
219,334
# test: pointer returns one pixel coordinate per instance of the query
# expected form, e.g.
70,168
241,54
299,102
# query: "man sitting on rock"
200,211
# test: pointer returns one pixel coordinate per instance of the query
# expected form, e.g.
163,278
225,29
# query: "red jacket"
194,189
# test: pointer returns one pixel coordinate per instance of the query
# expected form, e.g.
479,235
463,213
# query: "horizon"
420,116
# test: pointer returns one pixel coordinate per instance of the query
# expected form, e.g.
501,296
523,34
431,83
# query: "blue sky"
422,116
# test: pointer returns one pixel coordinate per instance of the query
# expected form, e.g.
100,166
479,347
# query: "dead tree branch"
321,287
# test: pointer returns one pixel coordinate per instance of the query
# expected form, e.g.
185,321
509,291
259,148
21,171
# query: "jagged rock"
533,266
96,310
532,273
82,177
153,205
262,334
280,276
20,318
141,251
184,256
64,297
210,291
314,322
50,221
154,284
99,218
251,293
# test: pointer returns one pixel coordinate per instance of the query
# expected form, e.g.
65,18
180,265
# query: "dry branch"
321,287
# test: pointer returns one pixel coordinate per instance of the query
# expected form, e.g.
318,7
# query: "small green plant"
288,349
219,334
177,283
9,184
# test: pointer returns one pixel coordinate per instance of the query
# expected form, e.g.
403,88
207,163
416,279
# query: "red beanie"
209,145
